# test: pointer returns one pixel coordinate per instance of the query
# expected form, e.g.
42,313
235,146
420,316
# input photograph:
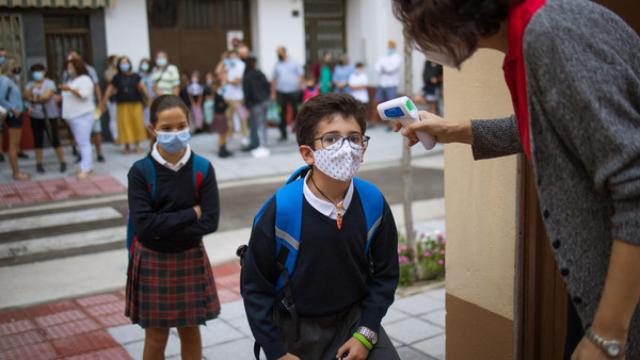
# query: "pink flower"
404,260
441,262
402,248
427,253
442,252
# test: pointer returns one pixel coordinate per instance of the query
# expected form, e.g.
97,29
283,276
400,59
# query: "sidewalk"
94,327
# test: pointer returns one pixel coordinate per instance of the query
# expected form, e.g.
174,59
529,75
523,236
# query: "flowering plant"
431,255
405,258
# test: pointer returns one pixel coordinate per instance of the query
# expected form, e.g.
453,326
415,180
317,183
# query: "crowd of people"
235,98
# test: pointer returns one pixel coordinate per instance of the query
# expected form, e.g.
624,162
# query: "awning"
57,3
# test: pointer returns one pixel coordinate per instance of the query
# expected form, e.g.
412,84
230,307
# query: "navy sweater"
169,224
332,272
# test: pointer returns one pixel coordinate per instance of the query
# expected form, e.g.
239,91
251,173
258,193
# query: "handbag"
273,113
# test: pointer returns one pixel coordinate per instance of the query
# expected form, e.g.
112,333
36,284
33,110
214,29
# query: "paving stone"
106,309
22,339
51,308
71,328
14,327
408,353
115,353
392,316
113,320
434,347
229,281
60,318
97,299
412,330
437,318
226,296
418,305
439,294
232,310
217,332
125,334
238,349
242,324
42,351
84,343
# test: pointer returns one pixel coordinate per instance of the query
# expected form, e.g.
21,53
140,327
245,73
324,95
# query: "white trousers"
81,129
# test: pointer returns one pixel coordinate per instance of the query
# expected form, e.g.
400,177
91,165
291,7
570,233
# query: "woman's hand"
289,357
586,350
353,350
64,87
198,211
442,130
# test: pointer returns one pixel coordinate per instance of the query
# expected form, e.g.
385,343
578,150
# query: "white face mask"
339,162
440,58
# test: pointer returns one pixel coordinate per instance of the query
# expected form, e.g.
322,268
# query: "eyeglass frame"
365,139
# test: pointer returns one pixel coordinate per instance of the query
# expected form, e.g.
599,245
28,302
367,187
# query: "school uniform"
170,282
335,286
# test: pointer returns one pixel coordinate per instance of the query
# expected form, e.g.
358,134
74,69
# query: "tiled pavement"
94,327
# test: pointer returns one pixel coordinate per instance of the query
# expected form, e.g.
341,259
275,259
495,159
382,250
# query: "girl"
196,91
170,282
78,109
44,114
144,70
130,93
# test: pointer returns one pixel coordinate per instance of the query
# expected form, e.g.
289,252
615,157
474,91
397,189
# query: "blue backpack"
200,171
288,224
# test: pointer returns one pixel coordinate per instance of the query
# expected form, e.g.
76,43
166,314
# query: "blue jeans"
386,93
257,128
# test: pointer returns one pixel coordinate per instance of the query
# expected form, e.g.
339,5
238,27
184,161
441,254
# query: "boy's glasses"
356,141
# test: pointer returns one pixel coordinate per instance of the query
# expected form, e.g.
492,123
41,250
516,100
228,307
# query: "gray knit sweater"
583,87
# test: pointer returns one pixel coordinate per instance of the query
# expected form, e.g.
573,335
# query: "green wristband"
363,340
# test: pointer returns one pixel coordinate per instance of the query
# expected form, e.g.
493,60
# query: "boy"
339,236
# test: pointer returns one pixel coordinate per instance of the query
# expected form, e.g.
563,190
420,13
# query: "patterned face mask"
340,161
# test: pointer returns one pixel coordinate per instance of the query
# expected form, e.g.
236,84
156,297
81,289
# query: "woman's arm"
105,98
143,89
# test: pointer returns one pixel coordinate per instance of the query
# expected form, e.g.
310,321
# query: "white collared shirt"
323,206
155,154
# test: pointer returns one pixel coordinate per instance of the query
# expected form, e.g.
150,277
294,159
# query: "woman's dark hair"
123,58
166,102
78,65
324,106
37,67
452,27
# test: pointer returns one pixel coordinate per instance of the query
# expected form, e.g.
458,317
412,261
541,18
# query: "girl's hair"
166,102
146,60
111,58
78,65
451,26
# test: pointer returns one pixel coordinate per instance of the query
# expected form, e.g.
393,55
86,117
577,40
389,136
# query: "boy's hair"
322,107
37,67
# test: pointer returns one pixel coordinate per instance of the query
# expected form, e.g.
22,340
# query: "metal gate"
324,24
11,38
61,34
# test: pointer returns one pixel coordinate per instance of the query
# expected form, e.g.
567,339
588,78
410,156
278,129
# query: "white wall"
276,26
370,24
127,30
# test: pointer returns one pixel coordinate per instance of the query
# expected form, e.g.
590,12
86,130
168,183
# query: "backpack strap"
288,224
300,173
200,172
372,202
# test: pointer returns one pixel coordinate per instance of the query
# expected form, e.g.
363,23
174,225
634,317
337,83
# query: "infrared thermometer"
404,110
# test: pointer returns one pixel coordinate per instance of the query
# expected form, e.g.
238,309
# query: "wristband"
363,340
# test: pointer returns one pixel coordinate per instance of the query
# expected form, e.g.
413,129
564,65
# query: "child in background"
339,236
310,90
208,104
173,203
358,83
220,123
196,97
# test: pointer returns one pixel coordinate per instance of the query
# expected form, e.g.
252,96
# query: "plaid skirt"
170,289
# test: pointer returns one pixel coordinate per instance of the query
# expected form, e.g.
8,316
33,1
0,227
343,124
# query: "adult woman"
109,73
130,92
11,110
78,108
44,114
577,118
341,74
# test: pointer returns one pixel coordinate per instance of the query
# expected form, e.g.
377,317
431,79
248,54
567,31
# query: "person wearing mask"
317,71
78,109
256,89
44,114
359,84
220,123
286,87
388,69
233,94
109,73
144,70
341,74
3,112
195,92
165,77
208,103
11,108
573,71
96,129
130,94
432,88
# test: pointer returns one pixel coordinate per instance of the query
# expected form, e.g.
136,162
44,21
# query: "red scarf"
514,70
